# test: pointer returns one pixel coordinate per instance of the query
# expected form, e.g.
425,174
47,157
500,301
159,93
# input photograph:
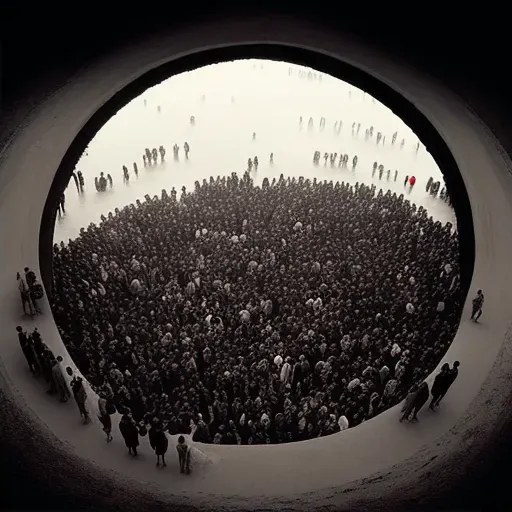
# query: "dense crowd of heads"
259,314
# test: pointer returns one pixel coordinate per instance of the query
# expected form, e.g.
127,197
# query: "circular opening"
352,351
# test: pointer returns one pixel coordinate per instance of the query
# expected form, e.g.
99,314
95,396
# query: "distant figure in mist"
192,120
203,98
135,169
102,182
478,304
310,123
381,171
249,165
271,158
61,205
402,144
316,157
393,138
412,181
326,157
161,150
126,174
186,148
148,156
358,128
354,163
349,94
374,170
300,121
75,179
232,99
253,135
337,126
417,147
256,163
175,150
396,175
322,123
388,174
145,103
81,180
154,155
379,137
159,109
110,181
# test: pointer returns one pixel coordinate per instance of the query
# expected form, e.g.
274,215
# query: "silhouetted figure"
186,148
478,304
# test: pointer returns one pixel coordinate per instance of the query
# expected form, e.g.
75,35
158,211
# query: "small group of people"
332,157
419,394
150,156
101,182
42,362
78,178
433,189
380,168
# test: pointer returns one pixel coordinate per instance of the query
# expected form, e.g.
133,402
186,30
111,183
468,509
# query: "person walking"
478,303
439,386
409,403
105,409
449,380
183,455
80,395
158,441
420,400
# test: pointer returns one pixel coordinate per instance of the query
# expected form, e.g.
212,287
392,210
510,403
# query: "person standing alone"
478,303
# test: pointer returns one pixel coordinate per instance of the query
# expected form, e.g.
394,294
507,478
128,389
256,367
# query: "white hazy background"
240,98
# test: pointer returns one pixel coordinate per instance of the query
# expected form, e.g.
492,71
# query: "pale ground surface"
268,101
251,471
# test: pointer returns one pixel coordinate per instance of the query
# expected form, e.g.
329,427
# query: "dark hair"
19,328
181,439
456,363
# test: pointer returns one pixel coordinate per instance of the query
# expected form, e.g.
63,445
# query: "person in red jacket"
412,181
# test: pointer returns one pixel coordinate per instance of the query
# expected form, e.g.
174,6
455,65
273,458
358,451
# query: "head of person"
19,328
26,269
445,367
181,440
456,364
69,370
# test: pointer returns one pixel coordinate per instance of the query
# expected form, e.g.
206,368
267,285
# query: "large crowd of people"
259,314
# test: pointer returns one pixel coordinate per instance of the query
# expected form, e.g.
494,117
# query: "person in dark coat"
159,442
420,400
27,349
130,433
450,379
439,386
